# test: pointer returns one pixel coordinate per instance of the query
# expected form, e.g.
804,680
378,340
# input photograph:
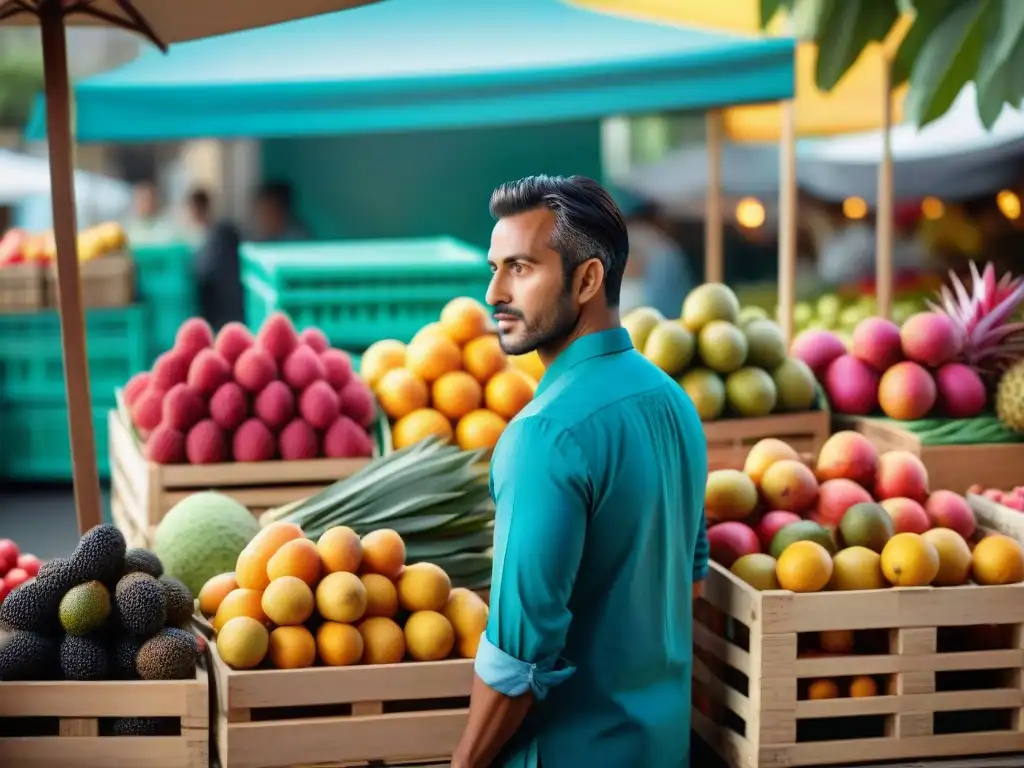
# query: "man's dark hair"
588,223
277,192
200,200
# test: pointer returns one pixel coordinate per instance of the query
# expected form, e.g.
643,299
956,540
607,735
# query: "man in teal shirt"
599,541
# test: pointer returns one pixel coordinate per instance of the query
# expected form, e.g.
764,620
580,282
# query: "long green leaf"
850,26
450,545
1000,61
466,563
768,10
948,61
927,16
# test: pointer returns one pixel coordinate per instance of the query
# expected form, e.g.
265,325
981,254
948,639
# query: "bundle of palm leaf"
431,493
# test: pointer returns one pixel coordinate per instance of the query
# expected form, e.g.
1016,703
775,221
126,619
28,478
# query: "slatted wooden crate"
107,281
22,288
142,492
730,440
949,664
55,724
391,714
957,467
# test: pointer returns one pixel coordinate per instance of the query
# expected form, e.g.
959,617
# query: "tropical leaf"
848,27
1001,61
927,16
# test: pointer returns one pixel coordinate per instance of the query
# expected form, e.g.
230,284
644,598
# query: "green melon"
202,536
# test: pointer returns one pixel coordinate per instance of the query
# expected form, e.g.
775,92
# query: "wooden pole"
84,470
787,219
884,211
714,258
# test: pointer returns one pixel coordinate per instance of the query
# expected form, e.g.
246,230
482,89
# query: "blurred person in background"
198,216
661,275
274,218
218,276
146,222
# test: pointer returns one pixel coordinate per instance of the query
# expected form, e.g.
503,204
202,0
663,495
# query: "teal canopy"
403,65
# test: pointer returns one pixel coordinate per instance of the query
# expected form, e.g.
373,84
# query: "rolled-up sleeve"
541,490
701,550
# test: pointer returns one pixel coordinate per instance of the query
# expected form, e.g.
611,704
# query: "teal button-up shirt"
599,535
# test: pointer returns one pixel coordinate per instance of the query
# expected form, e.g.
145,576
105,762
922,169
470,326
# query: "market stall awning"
426,64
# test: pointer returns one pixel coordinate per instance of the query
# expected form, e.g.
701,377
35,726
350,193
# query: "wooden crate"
954,467
22,288
730,440
393,714
750,675
142,492
72,712
108,281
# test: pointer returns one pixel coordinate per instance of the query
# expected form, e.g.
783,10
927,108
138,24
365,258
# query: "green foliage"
21,79
950,43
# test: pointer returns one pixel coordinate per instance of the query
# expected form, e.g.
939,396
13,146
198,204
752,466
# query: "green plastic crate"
359,292
32,365
37,444
167,287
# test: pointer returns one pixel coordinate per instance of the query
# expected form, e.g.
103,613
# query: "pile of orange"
451,380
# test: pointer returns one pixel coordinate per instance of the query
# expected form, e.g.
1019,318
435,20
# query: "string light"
1009,204
932,208
750,213
855,208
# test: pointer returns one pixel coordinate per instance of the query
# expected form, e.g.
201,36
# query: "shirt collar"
585,348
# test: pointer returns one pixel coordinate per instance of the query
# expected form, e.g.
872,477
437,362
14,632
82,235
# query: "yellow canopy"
853,106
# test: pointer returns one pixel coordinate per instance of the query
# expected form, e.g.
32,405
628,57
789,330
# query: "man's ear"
590,280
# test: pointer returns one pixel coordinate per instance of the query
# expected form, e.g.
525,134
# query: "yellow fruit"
464,319
423,587
509,392
418,425
341,597
954,557
836,641
530,364
429,636
340,550
433,356
383,553
909,560
479,430
857,568
379,358
292,648
383,641
428,330
288,601
482,358
467,613
214,591
998,559
339,645
251,568
863,687
381,596
298,558
758,570
243,642
400,392
804,566
455,394
823,689
240,602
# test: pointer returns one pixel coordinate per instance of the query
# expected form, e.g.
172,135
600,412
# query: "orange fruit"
339,645
530,364
381,595
240,602
383,553
383,641
863,687
464,319
998,559
483,357
954,557
242,643
479,429
823,689
428,330
288,601
340,550
432,356
508,392
379,358
341,597
400,391
419,424
909,560
804,566
214,591
251,568
836,641
291,648
298,558
455,394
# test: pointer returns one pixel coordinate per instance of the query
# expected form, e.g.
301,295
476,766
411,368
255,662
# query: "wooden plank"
729,440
